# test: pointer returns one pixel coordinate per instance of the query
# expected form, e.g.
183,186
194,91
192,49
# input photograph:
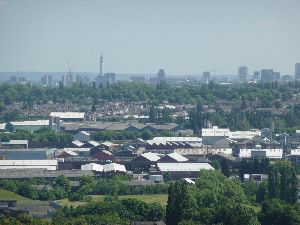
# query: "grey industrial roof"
31,123
68,115
38,173
183,167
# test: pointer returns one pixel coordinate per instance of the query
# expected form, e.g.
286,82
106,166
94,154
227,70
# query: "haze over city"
139,36
149,112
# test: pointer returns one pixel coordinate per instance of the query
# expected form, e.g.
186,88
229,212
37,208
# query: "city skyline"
139,37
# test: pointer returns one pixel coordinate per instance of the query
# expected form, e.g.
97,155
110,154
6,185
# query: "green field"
34,207
8,195
155,198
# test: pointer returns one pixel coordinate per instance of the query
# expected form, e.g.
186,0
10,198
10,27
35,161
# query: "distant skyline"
142,36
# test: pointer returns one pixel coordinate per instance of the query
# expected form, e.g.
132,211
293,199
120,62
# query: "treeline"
111,211
61,188
215,199
243,119
41,135
107,135
126,91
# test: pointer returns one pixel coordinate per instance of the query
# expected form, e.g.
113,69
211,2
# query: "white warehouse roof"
16,142
77,143
28,164
93,167
183,167
178,157
151,156
70,152
31,123
164,140
94,143
2,126
177,139
114,167
68,115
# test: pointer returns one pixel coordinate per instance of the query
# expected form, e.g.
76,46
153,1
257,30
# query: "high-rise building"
277,76
47,80
286,78
206,77
106,79
17,79
161,75
69,79
83,79
44,80
297,71
267,75
256,75
243,73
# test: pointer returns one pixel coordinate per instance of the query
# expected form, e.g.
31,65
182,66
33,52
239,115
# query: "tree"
276,212
235,214
256,167
282,182
147,134
243,169
273,188
213,189
152,114
293,190
179,204
262,192
225,167
2,107
26,190
63,183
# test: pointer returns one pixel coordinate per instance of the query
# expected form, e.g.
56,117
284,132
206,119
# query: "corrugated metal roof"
93,167
178,157
78,143
71,153
68,115
177,139
77,149
31,123
183,167
151,156
39,173
16,142
85,133
2,126
94,143
114,167
28,163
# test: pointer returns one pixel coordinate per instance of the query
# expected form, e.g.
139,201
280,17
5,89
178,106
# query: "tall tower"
101,65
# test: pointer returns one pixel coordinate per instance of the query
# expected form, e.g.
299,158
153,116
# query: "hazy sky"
141,36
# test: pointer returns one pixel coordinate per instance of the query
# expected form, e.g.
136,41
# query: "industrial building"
27,153
27,125
28,164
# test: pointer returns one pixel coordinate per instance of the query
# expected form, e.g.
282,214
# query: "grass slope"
155,198
8,195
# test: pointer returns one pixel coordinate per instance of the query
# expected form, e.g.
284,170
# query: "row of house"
75,127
